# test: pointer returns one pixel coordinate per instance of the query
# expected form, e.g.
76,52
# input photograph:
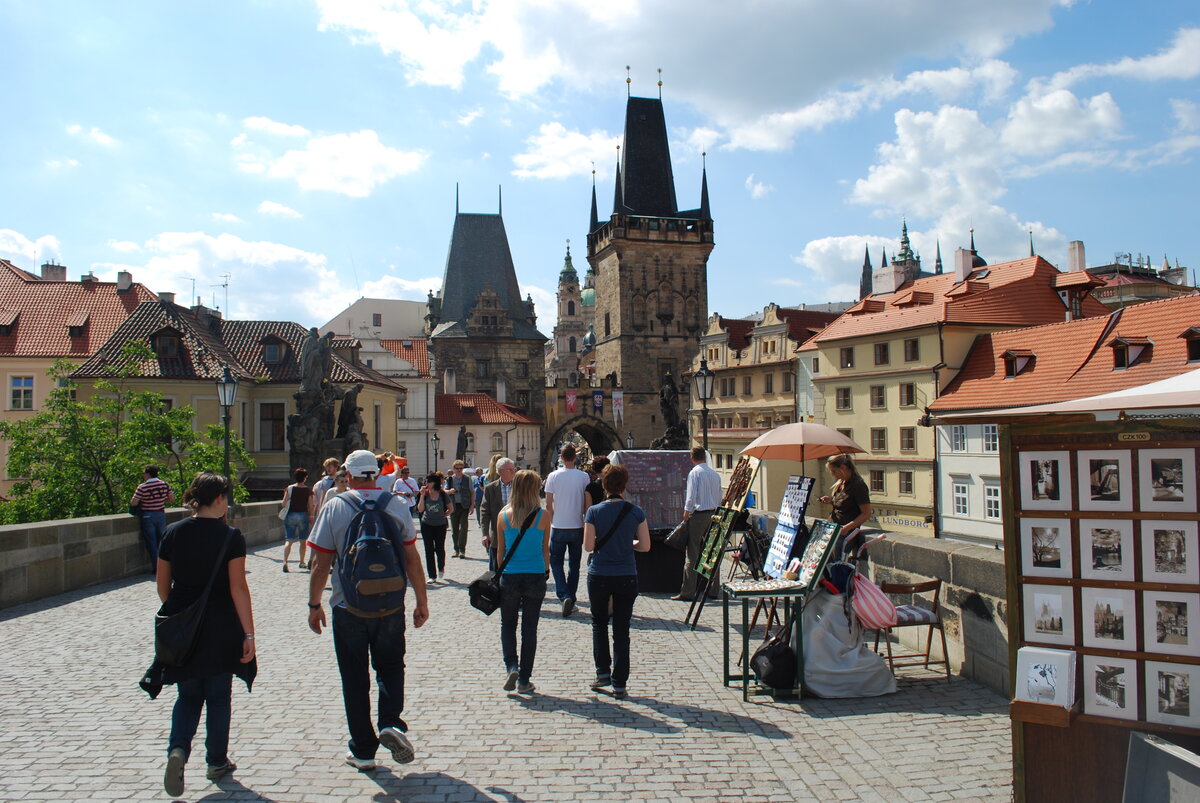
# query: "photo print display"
1169,693
1168,480
1169,552
1110,687
1049,614
1046,676
1045,481
1046,547
1105,481
1168,622
1105,549
1109,618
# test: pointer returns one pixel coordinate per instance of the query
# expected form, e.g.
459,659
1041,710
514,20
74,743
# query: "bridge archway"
599,436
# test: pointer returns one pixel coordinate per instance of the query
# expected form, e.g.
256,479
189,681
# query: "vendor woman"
850,499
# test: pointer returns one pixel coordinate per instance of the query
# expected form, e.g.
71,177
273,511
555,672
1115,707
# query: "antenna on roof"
354,267
456,197
500,199
628,80
660,83
224,284
193,280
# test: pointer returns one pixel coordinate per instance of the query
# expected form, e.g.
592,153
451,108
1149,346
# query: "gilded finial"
660,83
568,246
628,81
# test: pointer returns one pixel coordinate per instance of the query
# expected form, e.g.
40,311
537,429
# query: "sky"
295,155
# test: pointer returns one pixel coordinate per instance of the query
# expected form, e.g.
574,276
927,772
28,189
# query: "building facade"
575,329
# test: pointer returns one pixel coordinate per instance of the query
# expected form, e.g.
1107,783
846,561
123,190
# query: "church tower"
650,265
572,325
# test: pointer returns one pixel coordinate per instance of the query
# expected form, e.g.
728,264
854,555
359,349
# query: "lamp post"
521,455
704,391
434,439
629,440
226,396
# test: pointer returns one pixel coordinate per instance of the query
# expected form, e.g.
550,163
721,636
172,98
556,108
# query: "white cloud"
1041,124
555,152
1186,114
269,126
124,246
702,139
26,253
61,164
93,134
757,189
545,304
226,217
1179,61
468,117
277,210
392,286
350,164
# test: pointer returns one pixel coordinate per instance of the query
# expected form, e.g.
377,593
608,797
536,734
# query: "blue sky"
310,150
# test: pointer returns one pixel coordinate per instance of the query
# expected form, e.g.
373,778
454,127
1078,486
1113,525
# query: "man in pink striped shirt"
151,499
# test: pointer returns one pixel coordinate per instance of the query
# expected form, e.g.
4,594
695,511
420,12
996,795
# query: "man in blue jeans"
566,500
151,499
359,642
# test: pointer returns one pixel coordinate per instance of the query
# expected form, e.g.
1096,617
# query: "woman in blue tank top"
523,581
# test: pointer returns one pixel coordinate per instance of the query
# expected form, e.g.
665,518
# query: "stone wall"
50,557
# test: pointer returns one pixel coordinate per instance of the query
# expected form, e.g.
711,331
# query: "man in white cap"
361,642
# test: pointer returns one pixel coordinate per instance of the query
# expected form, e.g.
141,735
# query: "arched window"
571,345
497,443
571,308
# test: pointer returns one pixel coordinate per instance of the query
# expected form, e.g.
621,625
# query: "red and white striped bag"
872,607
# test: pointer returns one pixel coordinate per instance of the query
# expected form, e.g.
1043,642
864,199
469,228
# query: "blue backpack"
372,565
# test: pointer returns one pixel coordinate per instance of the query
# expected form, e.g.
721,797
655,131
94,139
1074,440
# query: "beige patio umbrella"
801,441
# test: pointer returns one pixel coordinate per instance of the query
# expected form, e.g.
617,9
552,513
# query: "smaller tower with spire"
864,281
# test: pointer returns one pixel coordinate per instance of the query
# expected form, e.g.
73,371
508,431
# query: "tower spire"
595,224
456,197
937,266
705,214
660,83
883,263
500,199
1031,251
864,281
628,81
618,196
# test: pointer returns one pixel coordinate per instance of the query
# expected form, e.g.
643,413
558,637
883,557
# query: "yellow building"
754,387
879,366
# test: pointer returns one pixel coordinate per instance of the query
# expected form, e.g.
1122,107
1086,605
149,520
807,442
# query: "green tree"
84,457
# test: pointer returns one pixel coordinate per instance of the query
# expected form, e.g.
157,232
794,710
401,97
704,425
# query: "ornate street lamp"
704,379
629,440
434,439
521,454
226,396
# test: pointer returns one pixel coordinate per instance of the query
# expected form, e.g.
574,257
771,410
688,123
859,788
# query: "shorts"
295,527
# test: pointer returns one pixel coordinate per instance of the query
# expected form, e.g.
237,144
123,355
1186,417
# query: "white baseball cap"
362,463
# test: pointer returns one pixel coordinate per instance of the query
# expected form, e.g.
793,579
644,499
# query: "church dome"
588,297
589,339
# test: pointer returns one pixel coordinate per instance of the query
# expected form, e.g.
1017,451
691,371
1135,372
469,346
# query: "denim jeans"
152,524
566,543
382,640
622,590
295,526
520,594
214,692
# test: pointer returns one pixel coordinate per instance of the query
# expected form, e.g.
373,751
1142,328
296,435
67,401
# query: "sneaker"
173,777
568,605
216,771
285,568
525,687
510,682
360,764
601,681
619,692
442,577
395,740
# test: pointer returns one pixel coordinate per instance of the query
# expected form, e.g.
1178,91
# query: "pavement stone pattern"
75,726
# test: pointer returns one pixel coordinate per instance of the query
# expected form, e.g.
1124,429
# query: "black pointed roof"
646,183
865,281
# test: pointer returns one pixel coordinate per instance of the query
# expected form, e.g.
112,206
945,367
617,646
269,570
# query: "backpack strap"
533,515
600,544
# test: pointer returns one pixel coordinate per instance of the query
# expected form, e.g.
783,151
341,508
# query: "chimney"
54,273
1075,257
124,281
88,278
888,278
964,262
448,383
167,298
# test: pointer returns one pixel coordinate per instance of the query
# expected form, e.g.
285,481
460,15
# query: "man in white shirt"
566,501
331,465
407,489
703,497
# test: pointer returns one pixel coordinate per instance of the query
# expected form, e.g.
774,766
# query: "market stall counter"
657,484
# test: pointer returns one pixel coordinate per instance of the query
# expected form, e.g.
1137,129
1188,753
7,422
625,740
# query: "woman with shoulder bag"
301,508
523,579
192,554
612,531
435,507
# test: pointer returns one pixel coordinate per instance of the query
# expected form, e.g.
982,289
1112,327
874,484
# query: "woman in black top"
595,490
850,499
225,642
435,507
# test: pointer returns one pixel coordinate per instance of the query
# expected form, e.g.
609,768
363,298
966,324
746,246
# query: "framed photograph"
1045,480
1109,618
1169,693
1105,549
1046,547
1110,687
1105,481
1169,552
1168,622
1046,676
1049,614
1168,480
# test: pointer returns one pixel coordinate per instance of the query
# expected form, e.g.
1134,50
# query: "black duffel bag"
774,663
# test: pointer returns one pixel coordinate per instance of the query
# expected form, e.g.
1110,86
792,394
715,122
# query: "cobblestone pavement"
75,726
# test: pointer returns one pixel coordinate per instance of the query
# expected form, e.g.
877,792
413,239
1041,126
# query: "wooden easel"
732,505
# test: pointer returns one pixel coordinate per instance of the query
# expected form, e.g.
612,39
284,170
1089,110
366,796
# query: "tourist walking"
462,494
299,504
565,501
151,499
407,489
477,483
522,529
612,531
321,487
495,496
361,642
595,491
702,499
195,551
435,507
851,501
341,484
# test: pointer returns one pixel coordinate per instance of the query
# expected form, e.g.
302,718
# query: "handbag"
484,590
678,538
774,663
175,635
285,504
596,547
872,607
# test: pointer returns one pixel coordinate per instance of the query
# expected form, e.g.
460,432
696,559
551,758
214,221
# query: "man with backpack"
375,546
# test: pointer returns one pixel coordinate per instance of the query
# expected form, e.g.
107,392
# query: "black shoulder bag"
175,635
596,547
774,663
484,590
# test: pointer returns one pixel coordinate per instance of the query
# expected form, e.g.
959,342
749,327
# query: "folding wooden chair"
916,616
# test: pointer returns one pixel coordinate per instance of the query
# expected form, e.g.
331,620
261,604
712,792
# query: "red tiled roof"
476,408
1071,360
1078,278
414,350
804,323
1017,293
40,310
738,332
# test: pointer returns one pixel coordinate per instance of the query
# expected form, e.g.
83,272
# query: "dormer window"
1128,350
272,353
8,319
1016,361
1192,337
166,346
77,324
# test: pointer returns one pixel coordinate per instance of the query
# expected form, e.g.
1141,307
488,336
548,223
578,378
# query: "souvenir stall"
1102,534
658,485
